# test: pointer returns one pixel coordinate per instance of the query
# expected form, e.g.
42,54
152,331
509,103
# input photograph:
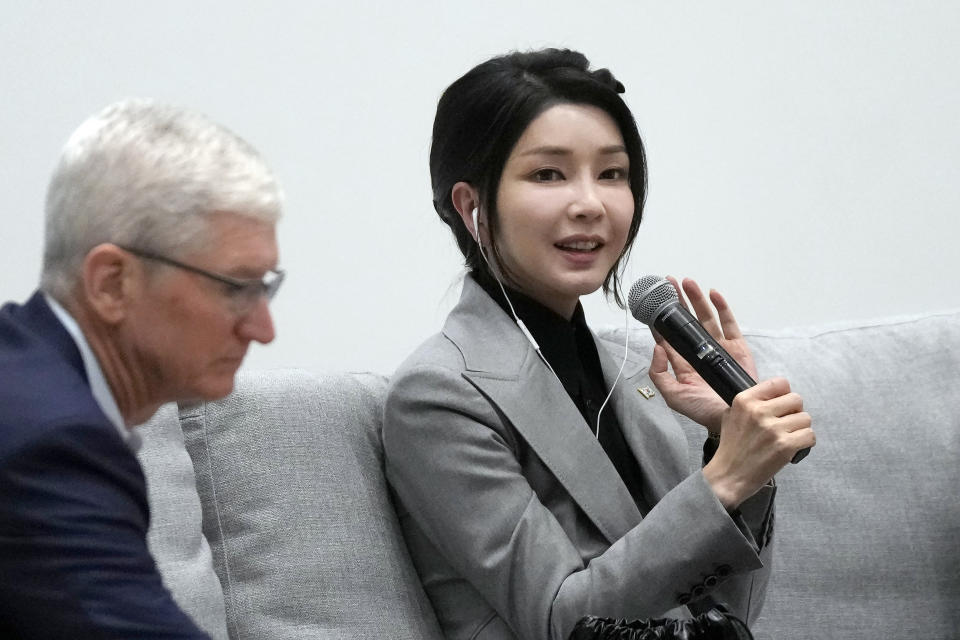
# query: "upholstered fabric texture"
175,537
867,534
298,513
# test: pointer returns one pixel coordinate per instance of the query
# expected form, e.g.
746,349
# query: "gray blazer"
516,519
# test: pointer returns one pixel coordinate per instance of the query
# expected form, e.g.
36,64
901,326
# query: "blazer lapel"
506,369
647,423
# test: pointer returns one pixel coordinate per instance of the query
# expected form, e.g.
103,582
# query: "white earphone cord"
532,340
516,318
626,347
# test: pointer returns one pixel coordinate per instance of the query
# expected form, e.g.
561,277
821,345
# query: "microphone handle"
720,370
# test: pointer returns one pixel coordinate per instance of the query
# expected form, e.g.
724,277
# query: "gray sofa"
272,519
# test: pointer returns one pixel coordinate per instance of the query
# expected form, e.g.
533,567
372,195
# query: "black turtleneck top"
569,347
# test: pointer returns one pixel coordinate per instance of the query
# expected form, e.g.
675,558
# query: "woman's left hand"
684,390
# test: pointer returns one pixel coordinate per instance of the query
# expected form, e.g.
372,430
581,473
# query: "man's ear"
110,278
465,200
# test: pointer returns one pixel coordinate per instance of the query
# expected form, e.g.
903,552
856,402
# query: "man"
160,257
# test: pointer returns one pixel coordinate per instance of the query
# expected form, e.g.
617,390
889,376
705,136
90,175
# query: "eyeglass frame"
238,286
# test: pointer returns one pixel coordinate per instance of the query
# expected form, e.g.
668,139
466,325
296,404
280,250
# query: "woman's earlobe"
465,200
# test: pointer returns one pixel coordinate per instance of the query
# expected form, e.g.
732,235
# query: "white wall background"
803,155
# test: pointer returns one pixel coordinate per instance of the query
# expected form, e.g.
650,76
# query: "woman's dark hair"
481,116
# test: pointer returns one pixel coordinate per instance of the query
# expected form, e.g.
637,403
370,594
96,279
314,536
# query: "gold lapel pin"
646,392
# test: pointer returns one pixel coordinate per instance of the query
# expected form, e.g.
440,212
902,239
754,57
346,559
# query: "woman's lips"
579,252
579,245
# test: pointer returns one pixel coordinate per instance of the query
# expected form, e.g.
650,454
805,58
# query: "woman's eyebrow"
551,150
547,150
614,148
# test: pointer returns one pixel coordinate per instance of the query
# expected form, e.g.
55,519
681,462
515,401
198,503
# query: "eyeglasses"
243,293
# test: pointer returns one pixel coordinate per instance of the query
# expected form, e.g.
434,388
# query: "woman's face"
564,205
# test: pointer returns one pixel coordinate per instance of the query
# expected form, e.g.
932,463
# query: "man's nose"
258,324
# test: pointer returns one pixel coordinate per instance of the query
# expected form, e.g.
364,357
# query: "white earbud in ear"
476,226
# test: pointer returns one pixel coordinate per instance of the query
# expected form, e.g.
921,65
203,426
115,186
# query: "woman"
526,507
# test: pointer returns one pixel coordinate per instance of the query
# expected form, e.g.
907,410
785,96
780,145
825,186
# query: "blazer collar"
502,364
36,316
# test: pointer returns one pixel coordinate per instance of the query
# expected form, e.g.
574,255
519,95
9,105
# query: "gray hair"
147,175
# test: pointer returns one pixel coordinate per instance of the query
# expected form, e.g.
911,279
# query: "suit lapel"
506,369
660,452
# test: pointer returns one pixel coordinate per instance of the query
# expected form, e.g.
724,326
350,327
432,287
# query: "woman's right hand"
762,430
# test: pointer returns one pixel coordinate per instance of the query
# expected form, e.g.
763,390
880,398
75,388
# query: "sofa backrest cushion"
297,511
870,532
175,537
867,529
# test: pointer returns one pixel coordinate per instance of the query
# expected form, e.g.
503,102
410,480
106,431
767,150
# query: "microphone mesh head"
647,295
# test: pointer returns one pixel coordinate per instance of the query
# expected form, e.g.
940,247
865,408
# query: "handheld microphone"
654,302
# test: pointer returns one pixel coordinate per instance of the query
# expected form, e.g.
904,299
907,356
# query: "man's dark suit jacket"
74,561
